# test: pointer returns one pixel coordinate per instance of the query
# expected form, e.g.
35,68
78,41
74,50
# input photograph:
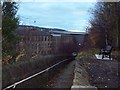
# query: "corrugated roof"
66,32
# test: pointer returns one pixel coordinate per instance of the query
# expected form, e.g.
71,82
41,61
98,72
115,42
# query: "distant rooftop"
66,32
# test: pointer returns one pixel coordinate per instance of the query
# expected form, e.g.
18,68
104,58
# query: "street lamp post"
106,38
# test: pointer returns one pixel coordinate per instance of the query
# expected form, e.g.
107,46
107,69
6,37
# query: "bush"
87,53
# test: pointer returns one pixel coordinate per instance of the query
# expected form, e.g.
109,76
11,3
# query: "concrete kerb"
80,81
76,87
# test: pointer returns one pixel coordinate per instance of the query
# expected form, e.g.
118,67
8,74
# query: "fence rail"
45,70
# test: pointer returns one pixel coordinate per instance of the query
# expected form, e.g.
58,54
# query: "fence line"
15,84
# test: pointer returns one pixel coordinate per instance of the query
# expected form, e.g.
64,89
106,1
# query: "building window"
44,38
39,38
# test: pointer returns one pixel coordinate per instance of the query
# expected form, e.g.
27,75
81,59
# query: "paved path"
65,78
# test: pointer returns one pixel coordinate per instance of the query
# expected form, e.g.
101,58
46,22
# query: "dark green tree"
9,35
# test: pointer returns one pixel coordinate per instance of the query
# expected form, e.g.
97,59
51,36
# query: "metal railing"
45,70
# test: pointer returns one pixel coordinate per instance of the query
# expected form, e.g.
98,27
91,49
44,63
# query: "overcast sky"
63,15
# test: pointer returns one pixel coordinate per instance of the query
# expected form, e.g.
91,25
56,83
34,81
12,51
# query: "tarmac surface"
64,79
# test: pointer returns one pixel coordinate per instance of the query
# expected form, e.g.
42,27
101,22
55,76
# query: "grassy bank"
22,69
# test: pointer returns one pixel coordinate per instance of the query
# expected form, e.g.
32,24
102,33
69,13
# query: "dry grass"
22,69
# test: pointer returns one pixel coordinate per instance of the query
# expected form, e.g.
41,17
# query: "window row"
36,38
